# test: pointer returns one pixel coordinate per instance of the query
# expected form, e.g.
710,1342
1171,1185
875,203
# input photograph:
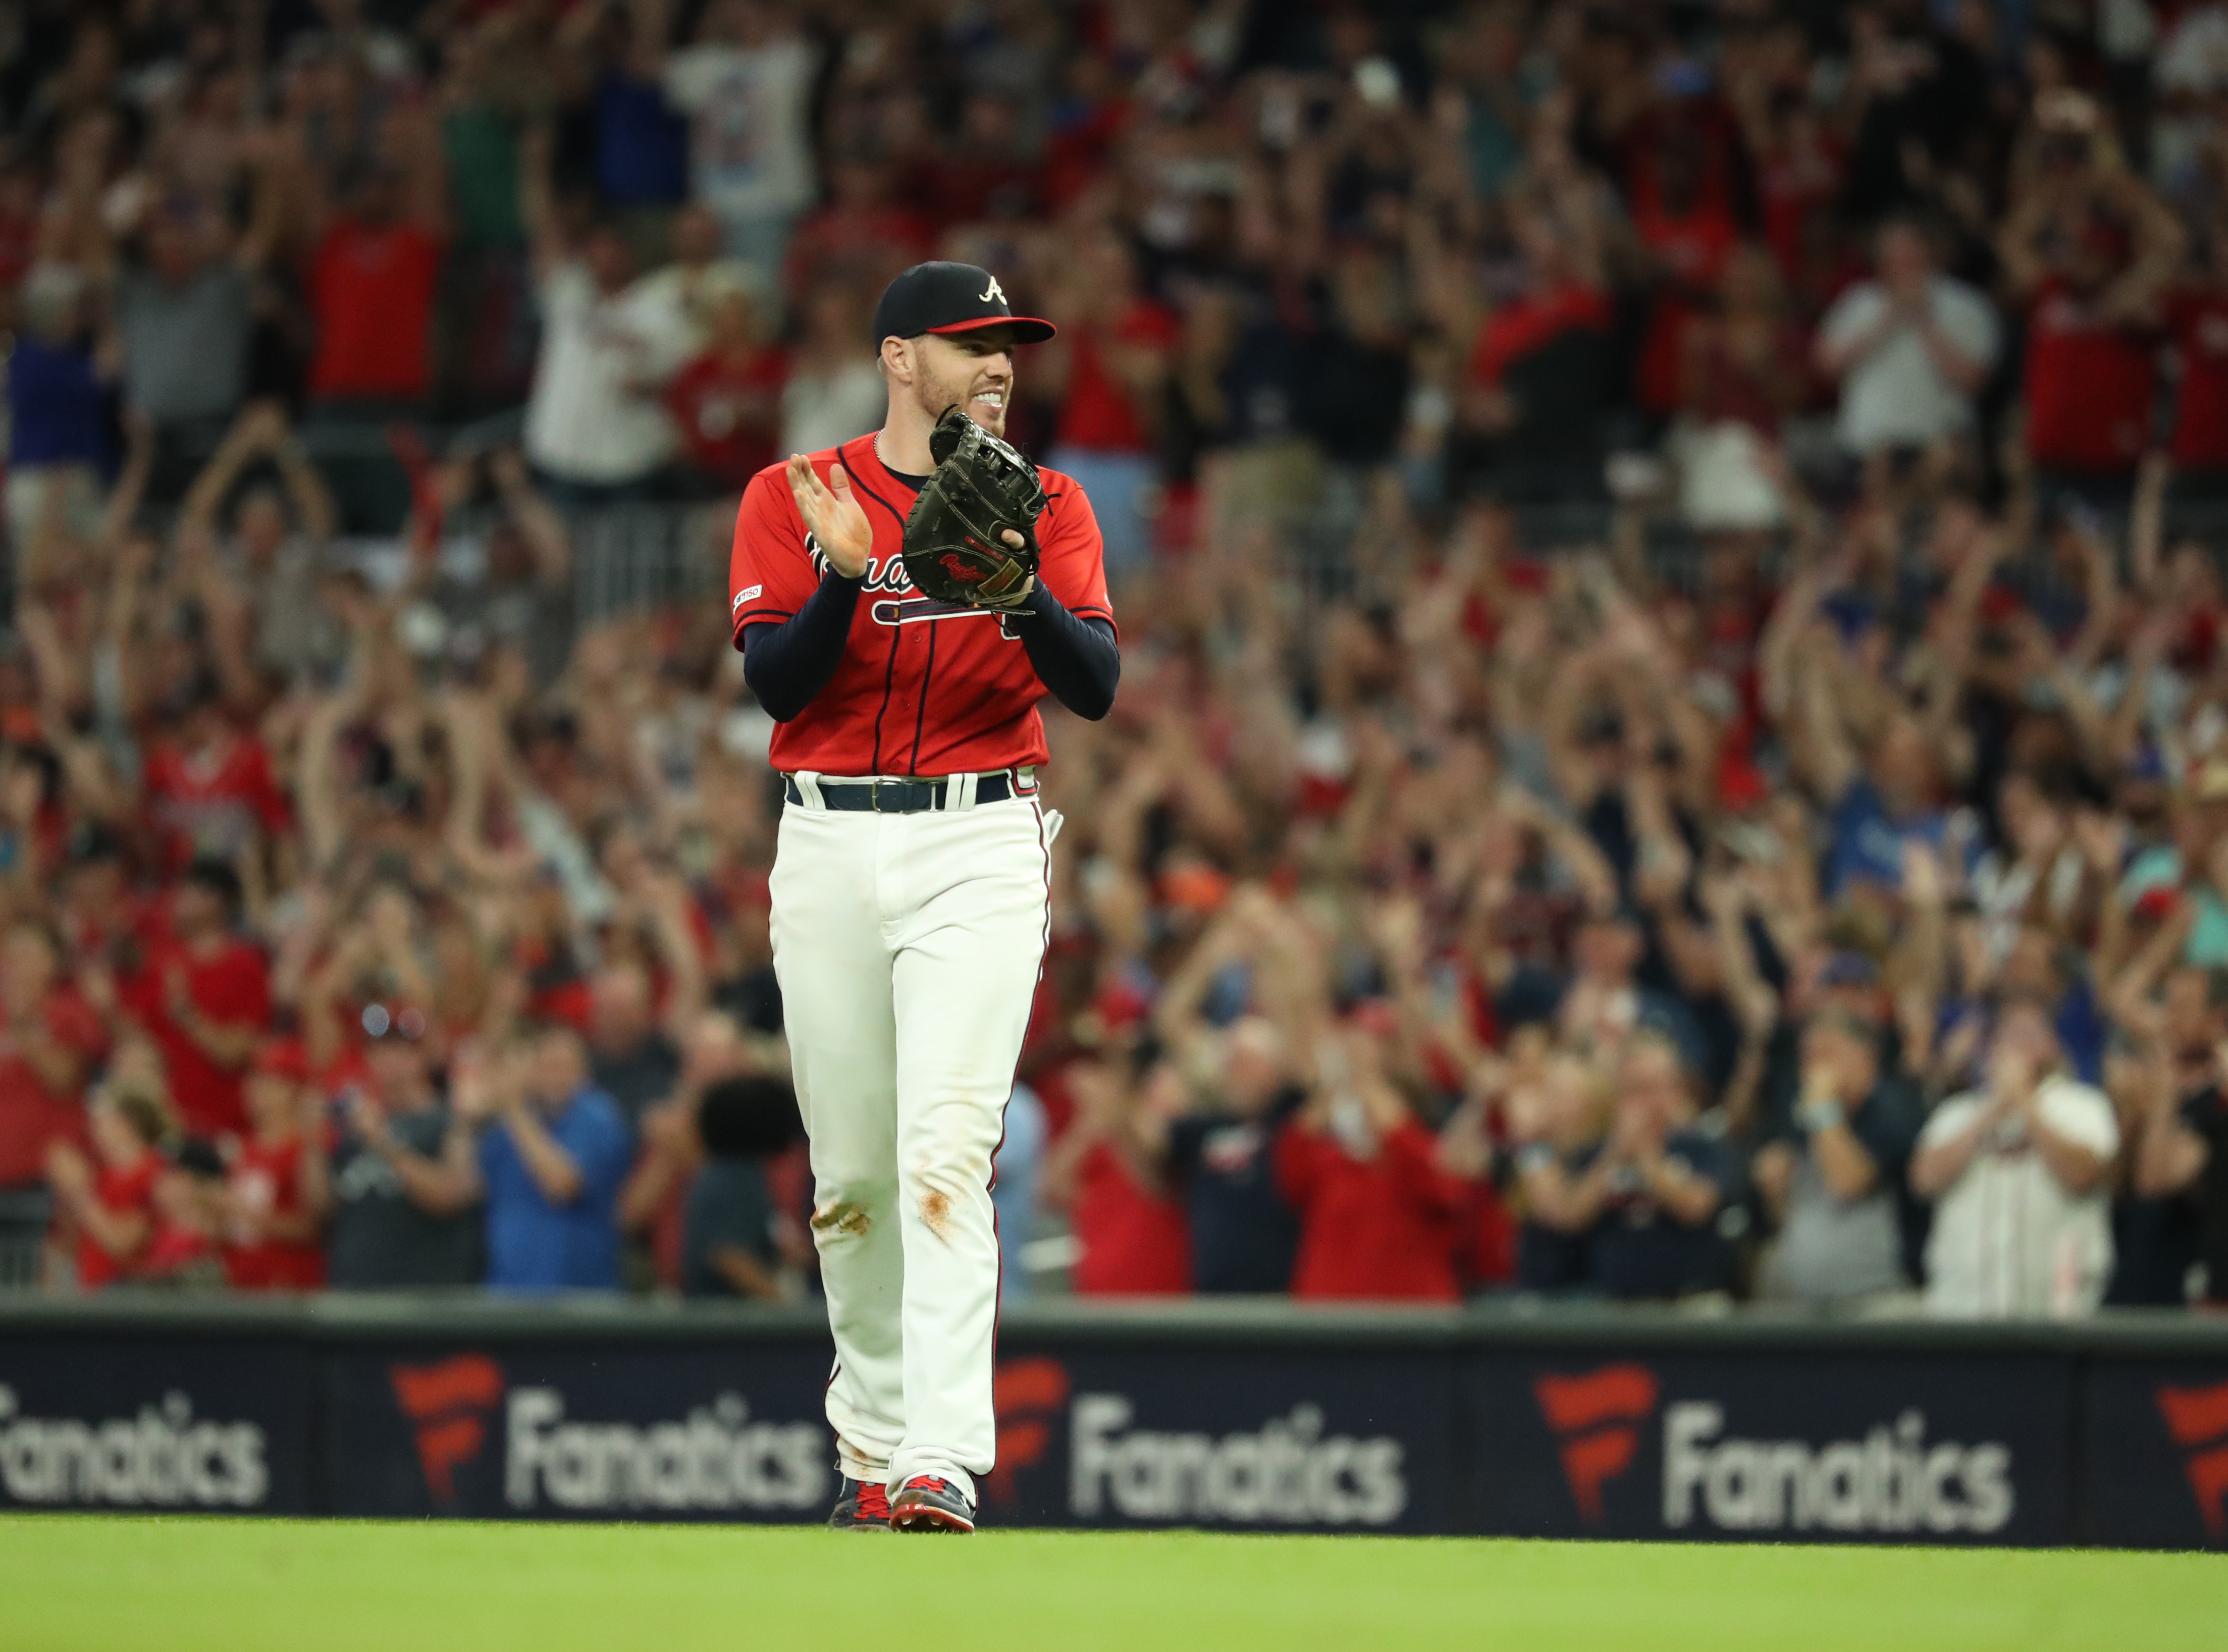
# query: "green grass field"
88,1584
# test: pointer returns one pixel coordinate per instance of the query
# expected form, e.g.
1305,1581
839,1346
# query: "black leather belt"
900,797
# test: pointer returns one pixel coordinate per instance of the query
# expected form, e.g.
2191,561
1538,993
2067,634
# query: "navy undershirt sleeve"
1078,659
786,664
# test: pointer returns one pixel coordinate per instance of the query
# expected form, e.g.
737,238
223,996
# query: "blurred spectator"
1832,1185
1018,1188
212,797
1918,90
1487,58
596,425
834,391
1910,350
484,342
492,561
204,992
1243,1234
1560,1120
401,1174
1104,1171
983,173
2181,1156
1681,184
276,1189
51,1042
184,314
2197,314
684,295
189,1212
1661,1185
1376,1214
1604,1004
2016,1169
1743,377
108,1202
2091,250
58,388
632,1058
372,285
267,578
550,1164
1537,373
732,1243
2156,1228
863,234
727,400
641,143
745,83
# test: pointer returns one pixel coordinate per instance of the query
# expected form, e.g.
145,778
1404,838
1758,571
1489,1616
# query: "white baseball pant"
908,948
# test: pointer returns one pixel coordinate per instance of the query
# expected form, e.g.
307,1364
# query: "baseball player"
902,602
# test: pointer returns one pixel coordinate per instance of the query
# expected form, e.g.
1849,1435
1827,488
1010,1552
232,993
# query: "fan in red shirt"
50,1040
211,788
1135,1239
2090,385
276,1191
372,282
727,401
859,236
1683,215
1798,177
2197,317
1378,1220
2090,248
203,995
1535,370
108,1202
1108,368
1116,341
982,175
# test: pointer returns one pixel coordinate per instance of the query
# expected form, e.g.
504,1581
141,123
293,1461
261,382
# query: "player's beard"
938,391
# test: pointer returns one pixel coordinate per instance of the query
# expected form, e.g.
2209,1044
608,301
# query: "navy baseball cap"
942,297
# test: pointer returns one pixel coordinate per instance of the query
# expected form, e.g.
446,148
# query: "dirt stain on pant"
846,1216
936,1214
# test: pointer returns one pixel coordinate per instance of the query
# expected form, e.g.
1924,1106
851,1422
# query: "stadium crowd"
1674,738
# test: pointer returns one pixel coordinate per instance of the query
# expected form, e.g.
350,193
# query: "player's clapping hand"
836,520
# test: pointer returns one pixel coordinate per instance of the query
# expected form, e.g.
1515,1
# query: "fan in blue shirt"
551,1163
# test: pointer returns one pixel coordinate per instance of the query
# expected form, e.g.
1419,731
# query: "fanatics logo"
1028,1396
2198,1420
1597,1417
449,1403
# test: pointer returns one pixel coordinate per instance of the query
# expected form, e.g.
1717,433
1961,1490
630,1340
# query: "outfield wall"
1238,1414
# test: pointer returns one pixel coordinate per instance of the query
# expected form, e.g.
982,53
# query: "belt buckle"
874,795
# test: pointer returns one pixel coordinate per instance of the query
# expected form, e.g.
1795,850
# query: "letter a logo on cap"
994,291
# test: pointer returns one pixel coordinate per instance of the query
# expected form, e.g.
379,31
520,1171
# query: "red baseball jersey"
924,688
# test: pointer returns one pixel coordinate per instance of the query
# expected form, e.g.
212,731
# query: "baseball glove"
954,546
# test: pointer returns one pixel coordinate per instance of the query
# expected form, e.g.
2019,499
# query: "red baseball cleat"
926,1504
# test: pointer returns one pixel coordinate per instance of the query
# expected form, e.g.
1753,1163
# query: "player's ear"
897,360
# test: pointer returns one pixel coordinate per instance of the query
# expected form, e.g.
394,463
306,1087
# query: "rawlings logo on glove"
955,539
